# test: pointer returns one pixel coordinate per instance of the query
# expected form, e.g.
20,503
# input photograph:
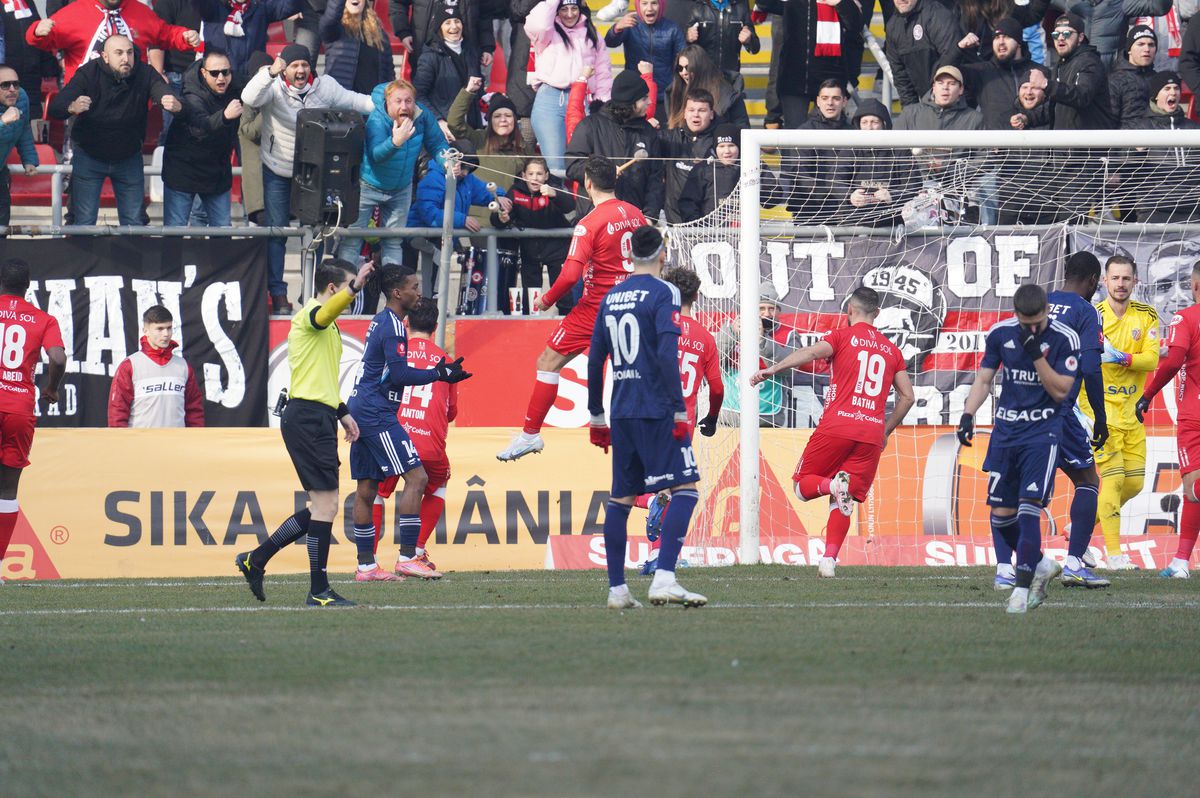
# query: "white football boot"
826,567
1018,602
674,593
1046,570
1120,562
619,598
839,489
521,445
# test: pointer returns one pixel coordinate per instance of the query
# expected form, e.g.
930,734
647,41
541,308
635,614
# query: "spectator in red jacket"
155,387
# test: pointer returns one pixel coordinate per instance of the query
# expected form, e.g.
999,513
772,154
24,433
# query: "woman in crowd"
358,54
445,66
694,69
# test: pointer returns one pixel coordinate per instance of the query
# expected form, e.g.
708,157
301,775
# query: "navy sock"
1029,546
364,541
288,532
1004,537
1083,519
616,517
675,527
410,533
319,533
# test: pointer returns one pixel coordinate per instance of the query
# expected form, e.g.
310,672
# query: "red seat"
275,33
36,190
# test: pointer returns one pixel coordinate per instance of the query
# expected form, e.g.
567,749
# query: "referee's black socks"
319,533
288,532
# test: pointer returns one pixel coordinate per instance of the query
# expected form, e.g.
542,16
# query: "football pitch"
882,682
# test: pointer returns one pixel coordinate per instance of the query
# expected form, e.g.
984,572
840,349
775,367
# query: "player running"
1130,355
638,327
600,253
1183,351
842,456
1041,363
383,448
698,360
24,332
425,413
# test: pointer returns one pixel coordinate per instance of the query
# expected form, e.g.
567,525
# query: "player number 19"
12,345
870,374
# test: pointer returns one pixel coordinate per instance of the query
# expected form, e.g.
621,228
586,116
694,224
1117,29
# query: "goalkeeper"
1130,355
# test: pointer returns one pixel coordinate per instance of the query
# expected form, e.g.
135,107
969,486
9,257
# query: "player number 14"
870,374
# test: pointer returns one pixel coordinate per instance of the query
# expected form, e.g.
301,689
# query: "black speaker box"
329,149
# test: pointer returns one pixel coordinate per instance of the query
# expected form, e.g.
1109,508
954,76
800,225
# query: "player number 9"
627,251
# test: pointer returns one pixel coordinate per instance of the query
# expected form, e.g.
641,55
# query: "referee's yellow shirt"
314,356
1136,333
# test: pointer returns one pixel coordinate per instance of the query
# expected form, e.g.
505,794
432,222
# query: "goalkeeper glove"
681,432
966,429
708,426
1114,355
450,372
1141,408
1031,342
599,434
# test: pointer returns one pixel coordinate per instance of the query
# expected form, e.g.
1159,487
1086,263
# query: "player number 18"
870,374
12,345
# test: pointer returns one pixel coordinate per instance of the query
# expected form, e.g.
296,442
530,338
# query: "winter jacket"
495,168
874,169
930,116
122,393
255,21
687,151
916,42
19,134
31,63
718,32
115,126
706,186
390,168
801,71
659,44
1128,91
558,64
201,139
190,14
641,184
441,74
75,27
281,103
1162,183
994,85
415,18
428,204
820,176
535,212
344,54
1106,21
1189,56
1079,92
731,105
1026,13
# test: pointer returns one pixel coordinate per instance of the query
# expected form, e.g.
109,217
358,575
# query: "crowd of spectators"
422,73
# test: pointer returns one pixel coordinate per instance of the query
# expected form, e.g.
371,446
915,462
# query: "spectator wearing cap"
814,51
687,146
715,178
880,180
1078,89
1105,21
358,52
818,177
919,35
240,30
647,35
993,83
416,23
500,145
281,91
109,98
943,106
14,132
1164,110
772,396
446,64
1128,80
619,131
563,42
428,208
1163,182
398,130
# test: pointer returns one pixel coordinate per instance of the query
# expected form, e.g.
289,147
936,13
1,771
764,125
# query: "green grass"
888,682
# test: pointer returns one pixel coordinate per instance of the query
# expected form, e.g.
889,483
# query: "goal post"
1061,190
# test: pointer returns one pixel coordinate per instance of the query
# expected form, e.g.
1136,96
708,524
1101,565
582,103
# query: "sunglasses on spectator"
1062,34
219,73
10,84
681,68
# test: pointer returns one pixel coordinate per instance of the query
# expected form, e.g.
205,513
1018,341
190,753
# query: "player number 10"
12,345
870,374
626,338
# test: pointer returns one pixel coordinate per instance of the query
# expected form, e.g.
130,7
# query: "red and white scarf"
829,32
18,8
111,24
233,22
1174,37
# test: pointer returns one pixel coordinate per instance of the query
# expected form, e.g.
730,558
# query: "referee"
309,427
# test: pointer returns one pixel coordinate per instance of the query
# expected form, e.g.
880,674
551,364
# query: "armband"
342,411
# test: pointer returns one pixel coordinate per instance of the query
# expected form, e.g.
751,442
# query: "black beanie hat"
1139,32
296,52
1161,79
728,133
628,87
645,243
498,101
1008,27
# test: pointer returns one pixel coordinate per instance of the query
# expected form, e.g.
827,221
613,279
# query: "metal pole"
447,251
492,276
751,328
308,265
56,192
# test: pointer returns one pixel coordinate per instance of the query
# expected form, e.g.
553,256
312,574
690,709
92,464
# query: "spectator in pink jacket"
562,42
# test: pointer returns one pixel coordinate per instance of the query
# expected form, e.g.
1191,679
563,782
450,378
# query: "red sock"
836,531
432,507
545,391
1189,526
377,517
643,501
9,511
813,486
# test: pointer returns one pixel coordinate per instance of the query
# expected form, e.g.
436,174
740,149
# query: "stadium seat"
36,190
235,191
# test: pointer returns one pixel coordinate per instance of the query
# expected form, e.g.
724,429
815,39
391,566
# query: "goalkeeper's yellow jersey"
1135,333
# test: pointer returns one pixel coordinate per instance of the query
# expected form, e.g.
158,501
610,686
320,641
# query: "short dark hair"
393,276
645,243
687,281
601,171
537,159
14,277
330,271
157,314
1029,299
424,317
1118,260
1081,266
214,52
867,299
832,83
699,95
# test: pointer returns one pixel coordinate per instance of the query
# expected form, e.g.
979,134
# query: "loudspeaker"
325,169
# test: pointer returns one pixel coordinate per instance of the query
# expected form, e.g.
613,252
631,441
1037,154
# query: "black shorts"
310,435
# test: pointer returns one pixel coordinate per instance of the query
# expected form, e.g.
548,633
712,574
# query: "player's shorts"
1187,440
574,333
1017,473
825,455
379,455
1074,445
310,435
1127,444
438,472
647,458
16,439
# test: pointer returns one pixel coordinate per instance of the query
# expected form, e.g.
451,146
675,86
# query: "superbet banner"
98,287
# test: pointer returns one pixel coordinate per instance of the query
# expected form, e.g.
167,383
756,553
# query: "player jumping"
27,331
842,456
600,253
1183,351
1041,363
383,448
425,413
638,327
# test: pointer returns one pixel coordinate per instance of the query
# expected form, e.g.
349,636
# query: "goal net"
945,226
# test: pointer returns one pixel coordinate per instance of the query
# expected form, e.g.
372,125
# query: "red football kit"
698,358
599,252
24,332
850,436
425,413
1183,357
